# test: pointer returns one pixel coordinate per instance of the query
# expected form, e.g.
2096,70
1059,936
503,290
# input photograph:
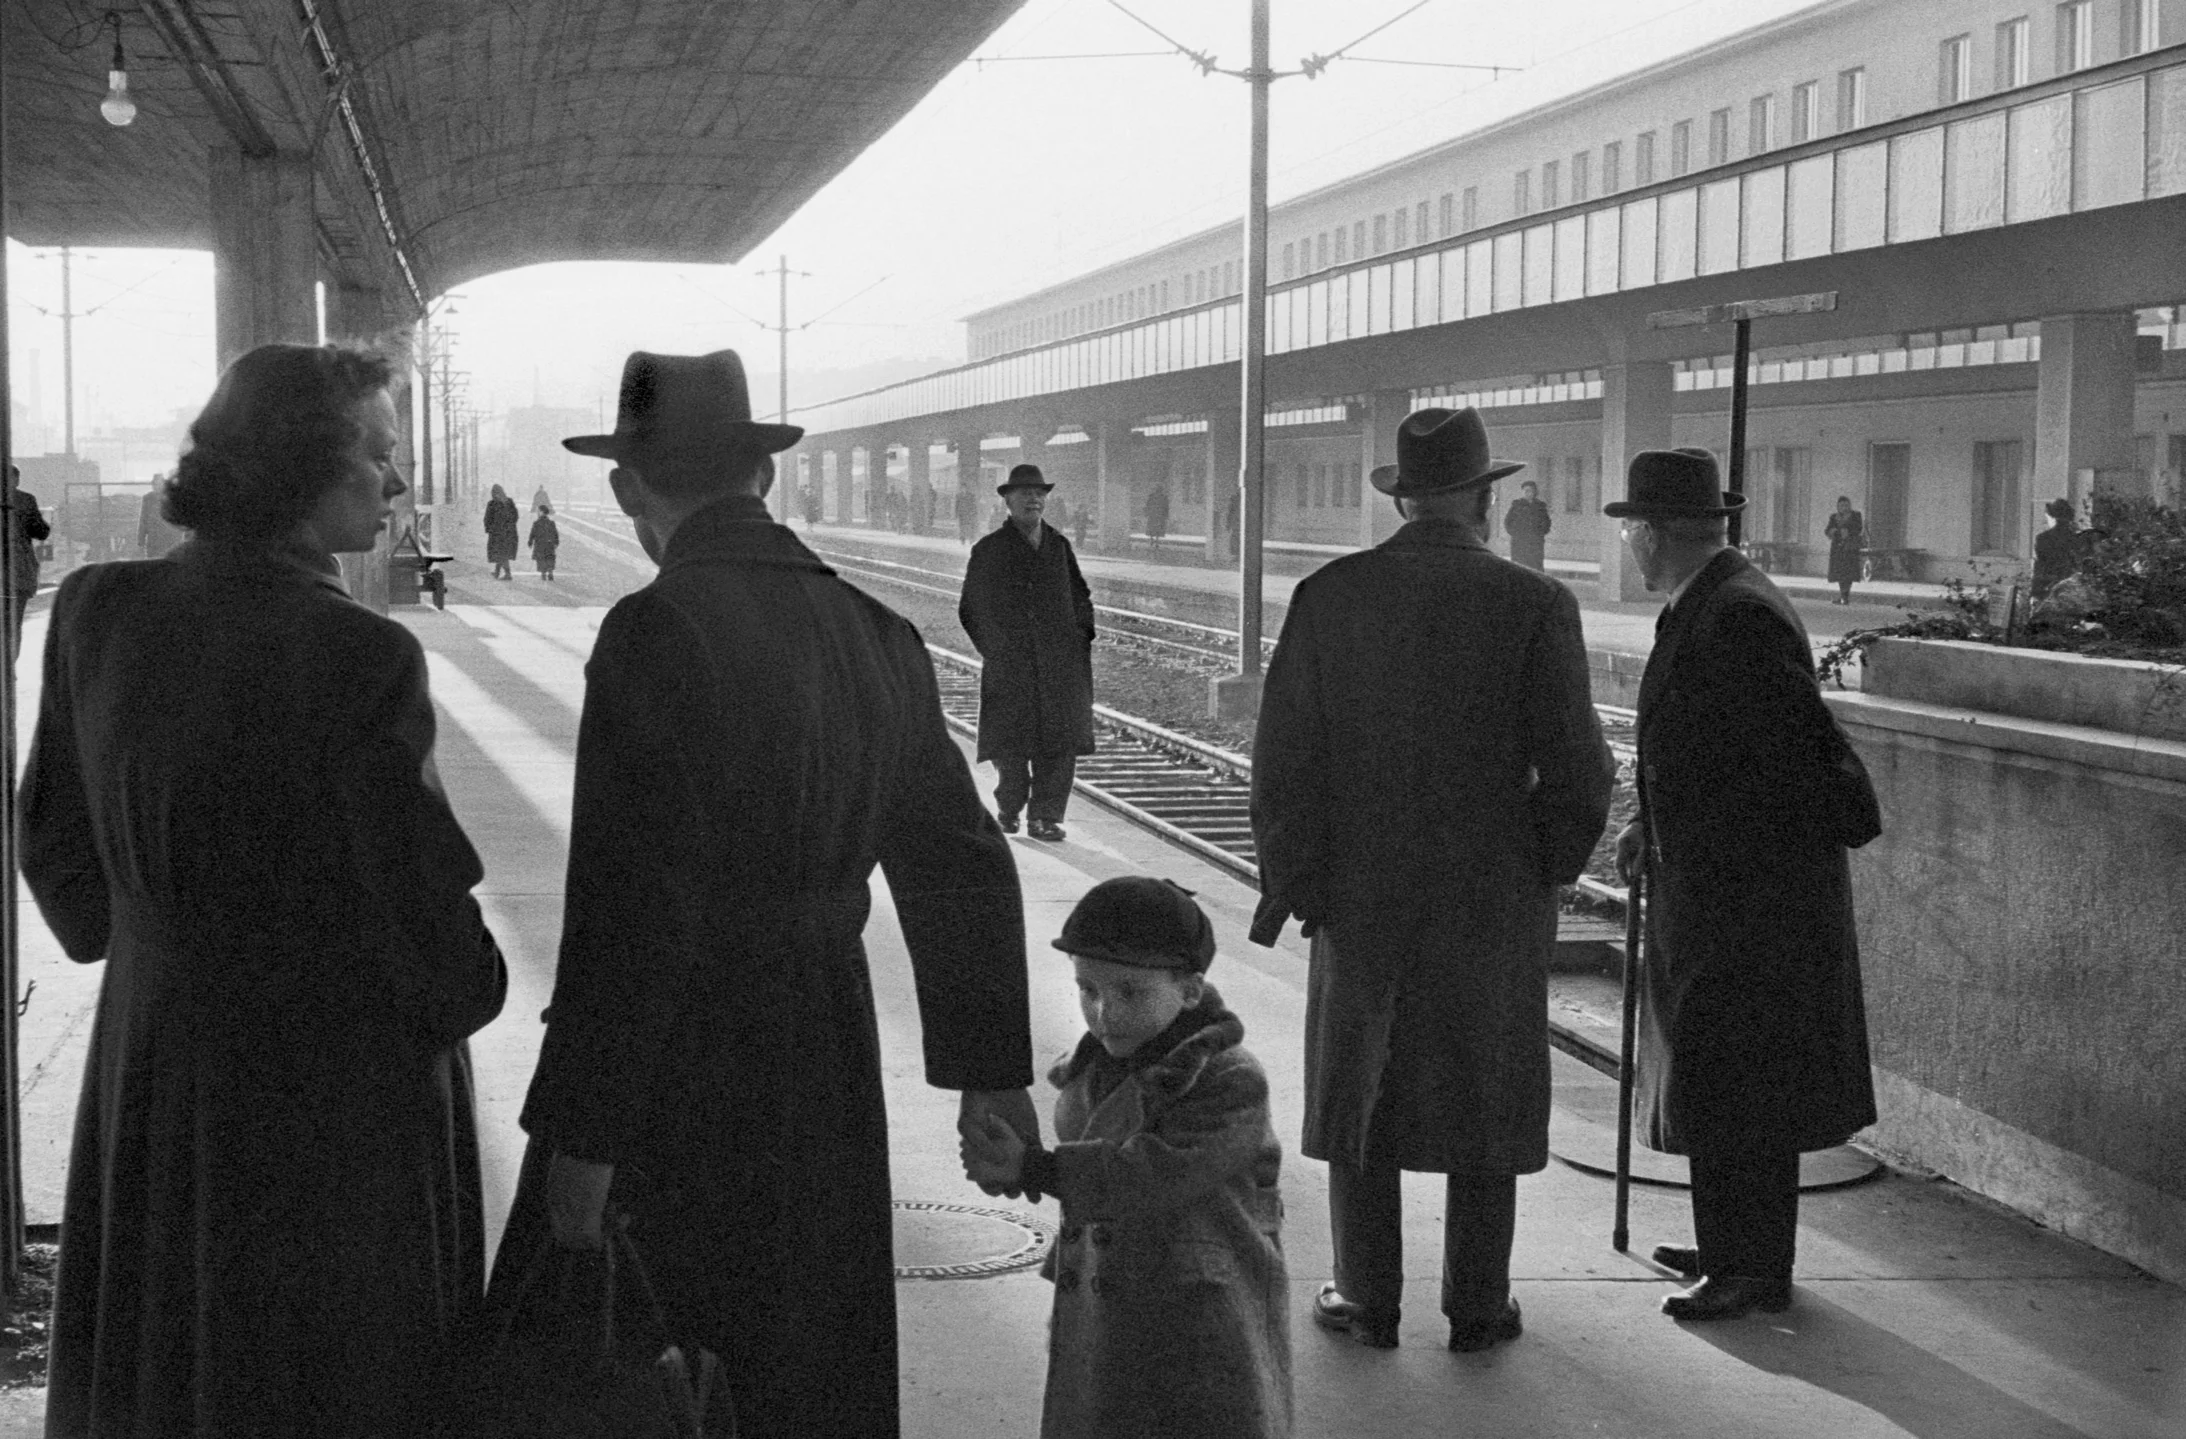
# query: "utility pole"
782,484
1238,696
11,1108
68,361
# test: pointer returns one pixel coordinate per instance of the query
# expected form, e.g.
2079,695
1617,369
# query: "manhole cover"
964,1241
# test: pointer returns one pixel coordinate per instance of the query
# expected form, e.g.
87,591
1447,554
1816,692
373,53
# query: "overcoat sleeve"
626,961
1081,597
60,859
975,606
1576,775
412,857
1289,768
1188,1149
955,888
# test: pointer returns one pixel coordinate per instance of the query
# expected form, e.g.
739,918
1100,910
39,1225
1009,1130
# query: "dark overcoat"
1172,1311
756,736
1527,523
546,539
1846,535
272,1220
1030,615
1751,1025
501,520
1428,770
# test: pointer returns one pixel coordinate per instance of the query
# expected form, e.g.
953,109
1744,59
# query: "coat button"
1097,1286
1067,1280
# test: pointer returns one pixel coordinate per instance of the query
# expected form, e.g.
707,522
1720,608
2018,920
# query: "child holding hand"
1171,1315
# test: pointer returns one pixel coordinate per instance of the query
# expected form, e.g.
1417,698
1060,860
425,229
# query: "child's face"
1125,1005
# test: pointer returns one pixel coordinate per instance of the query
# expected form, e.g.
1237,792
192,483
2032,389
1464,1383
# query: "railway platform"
1921,1310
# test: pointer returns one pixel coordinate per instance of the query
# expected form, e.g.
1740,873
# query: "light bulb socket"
117,107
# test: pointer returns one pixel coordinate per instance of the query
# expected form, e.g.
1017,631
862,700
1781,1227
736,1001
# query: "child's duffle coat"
1171,1303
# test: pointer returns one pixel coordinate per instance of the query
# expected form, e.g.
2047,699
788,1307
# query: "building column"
839,463
918,479
265,251
360,315
1225,478
1113,443
1032,438
968,479
1385,411
1635,417
2083,412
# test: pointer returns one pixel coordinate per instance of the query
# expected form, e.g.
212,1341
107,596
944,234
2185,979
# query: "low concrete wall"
2131,697
1616,676
2021,923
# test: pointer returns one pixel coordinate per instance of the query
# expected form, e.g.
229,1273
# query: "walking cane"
1620,1237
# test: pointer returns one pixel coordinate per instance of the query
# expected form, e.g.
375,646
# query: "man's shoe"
1334,1312
1727,1296
1044,829
1008,823
1684,1258
1472,1338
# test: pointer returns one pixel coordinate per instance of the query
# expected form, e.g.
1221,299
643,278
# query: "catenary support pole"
11,1113
1238,696
1741,361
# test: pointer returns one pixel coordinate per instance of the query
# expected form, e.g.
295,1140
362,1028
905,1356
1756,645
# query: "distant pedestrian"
1030,615
2060,550
1080,518
1752,1032
155,536
541,499
1427,773
26,529
273,1210
1157,513
1527,523
808,496
1846,533
500,533
1232,508
1171,1298
967,513
545,539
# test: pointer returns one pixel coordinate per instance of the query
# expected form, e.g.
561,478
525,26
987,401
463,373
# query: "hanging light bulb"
117,107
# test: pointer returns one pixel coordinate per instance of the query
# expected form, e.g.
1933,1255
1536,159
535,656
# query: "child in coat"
546,538
1171,1315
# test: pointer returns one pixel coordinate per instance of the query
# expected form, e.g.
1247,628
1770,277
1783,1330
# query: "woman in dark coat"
1846,531
272,1224
500,533
545,539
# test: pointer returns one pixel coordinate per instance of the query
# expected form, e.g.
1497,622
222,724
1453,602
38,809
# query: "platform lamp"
117,107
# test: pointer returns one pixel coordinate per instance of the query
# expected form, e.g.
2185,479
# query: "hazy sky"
1009,176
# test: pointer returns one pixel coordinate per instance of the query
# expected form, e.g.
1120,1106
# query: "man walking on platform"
1030,615
756,736
1428,771
1528,524
1752,1034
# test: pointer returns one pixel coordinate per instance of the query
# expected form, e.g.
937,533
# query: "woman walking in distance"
273,1211
1846,532
500,533
546,538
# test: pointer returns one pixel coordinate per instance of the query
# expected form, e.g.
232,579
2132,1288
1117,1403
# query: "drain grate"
966,1241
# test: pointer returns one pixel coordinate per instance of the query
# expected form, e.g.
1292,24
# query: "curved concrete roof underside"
501,132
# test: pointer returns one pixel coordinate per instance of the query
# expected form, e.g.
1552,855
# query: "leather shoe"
1008,823
1334,1312
1472,1338
1684,1258
1044,829
1727,1296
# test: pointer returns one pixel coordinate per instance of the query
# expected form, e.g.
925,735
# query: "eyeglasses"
1626,527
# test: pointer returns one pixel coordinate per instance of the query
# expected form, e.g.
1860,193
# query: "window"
1574,484
1521,193
2075,36
1954,70
1381,232
1343,244
1581,181
2011,54
1643,158
1323,262
1851,98
1612,167
1719,137
1761,125
1401,231
2143,23
1358,240
1681,147
1996,497
1304,475
1472,207
1290,262
1551,184
1449,214
1229,277
1806,112
1165,294
1419,223
1791,502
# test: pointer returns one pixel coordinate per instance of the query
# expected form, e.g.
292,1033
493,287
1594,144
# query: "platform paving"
1921,1310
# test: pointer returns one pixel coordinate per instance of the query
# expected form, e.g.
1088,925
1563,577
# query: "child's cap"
1137,920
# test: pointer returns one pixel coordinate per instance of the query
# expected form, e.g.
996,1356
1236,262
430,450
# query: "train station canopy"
456,138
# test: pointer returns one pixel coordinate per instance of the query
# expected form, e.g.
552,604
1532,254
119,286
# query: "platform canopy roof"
457,138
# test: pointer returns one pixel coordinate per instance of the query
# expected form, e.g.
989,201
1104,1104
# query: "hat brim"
1135,959
770,439
1627,509
1043,487
1390,481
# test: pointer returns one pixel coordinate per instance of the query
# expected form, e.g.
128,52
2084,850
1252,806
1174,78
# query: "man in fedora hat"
1428,771
757,735
1752,1037
1030,615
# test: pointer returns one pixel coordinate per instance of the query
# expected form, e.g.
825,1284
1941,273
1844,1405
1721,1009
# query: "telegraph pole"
1238,696
11,1109
783,484
68,361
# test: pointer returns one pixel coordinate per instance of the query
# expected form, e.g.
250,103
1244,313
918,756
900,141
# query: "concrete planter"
2127,697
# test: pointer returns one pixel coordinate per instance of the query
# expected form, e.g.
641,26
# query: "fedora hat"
1671,483
1024,477
1439,450
684,402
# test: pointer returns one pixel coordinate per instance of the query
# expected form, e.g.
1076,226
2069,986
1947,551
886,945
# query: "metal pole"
1741,356
1620,1233
425,401
11,1125
1253,451
68,361
784,483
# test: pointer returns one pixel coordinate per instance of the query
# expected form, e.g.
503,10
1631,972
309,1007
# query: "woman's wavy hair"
273,438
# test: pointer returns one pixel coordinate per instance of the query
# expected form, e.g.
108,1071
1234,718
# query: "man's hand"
577,1201
1014,1108
1631,843
994,1156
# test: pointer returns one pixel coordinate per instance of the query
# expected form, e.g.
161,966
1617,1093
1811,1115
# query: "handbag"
558,1366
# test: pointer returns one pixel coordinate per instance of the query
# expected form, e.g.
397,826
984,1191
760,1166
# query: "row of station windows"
1155,297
